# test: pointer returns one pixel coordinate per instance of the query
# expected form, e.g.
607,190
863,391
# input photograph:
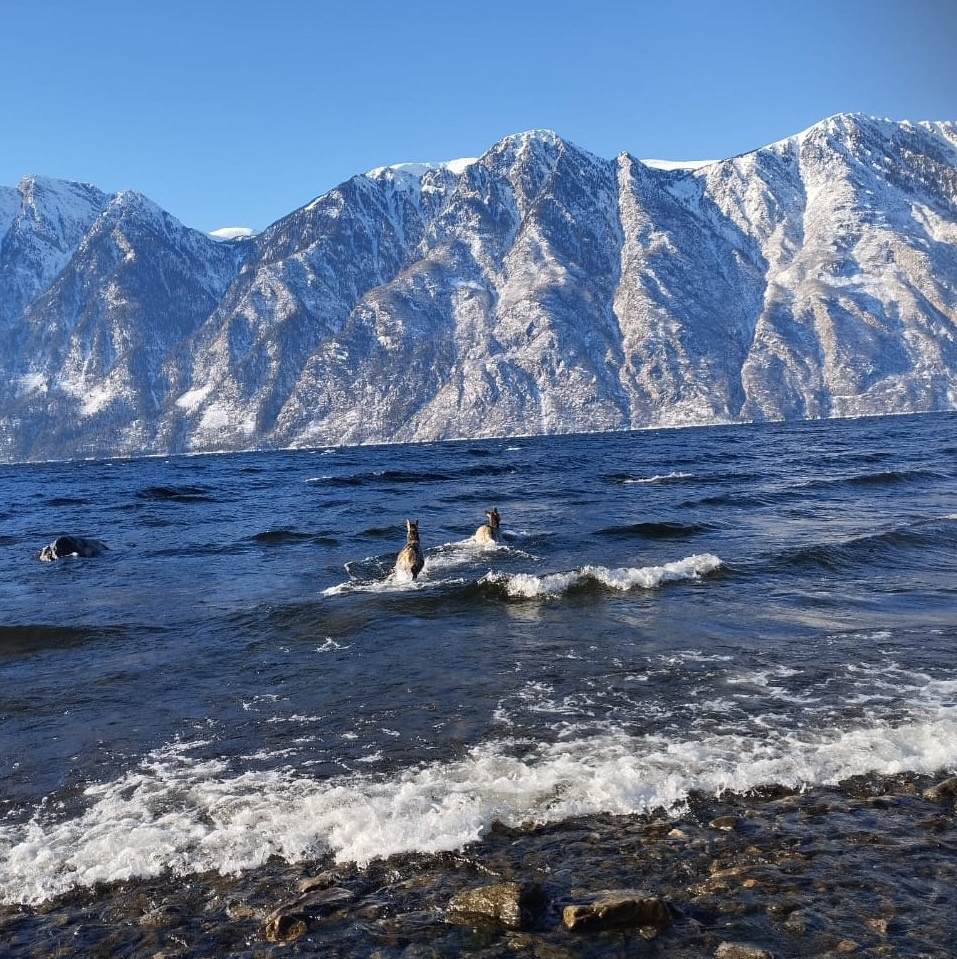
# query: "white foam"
330,645
186,815
660,478
395,581
439,560
467,552
530,586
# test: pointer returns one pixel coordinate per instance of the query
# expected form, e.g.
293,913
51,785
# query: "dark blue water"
242,676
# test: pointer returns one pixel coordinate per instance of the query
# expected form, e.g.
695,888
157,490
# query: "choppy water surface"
242,677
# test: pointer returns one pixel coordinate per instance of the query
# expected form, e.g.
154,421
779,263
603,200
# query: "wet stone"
946,790
241,910
617,909
737,950
725,823
163,917
514,905
796,923
292,920
285,928
324,880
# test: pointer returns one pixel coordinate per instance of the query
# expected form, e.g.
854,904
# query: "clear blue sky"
235,112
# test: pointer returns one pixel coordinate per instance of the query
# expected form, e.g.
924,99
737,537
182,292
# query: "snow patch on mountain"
192,399
677,164
227,233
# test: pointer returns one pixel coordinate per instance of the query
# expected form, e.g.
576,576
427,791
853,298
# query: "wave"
752,490
924,537
396,533
283,537
659,530
628,478
376,574
181,814
28,637
176,494
67,501
878,478
415,477
393,582
530,586
465,551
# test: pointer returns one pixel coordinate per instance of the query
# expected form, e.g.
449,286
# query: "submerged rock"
617,909
292,919
725,823
738,950
285,928
515,905
947,789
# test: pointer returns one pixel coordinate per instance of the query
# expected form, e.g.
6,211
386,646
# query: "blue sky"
235,113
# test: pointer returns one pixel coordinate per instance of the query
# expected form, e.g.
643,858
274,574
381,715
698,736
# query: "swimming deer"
410,559
488,532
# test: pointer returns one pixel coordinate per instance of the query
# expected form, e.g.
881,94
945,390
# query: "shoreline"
864,868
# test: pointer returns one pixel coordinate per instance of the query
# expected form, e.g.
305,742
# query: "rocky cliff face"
536,289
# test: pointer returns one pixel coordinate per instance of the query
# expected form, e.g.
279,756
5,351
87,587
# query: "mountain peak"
62,195
527,137
531,142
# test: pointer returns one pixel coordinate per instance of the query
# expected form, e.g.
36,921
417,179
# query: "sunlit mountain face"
534,289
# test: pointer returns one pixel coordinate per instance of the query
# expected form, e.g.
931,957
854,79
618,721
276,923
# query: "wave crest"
530,586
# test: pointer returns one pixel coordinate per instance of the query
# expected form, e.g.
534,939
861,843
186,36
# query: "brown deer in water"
410,559
488,532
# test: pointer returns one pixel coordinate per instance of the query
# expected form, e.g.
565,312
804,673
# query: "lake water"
241,676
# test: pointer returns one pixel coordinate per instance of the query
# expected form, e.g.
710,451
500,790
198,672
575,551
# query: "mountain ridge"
535,289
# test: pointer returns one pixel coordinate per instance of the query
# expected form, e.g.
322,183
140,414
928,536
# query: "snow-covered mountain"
535,289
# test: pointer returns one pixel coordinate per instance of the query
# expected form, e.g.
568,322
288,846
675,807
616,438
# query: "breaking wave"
530,586
628,478
179,814
377,575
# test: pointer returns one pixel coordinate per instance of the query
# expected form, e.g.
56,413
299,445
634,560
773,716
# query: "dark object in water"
72,546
